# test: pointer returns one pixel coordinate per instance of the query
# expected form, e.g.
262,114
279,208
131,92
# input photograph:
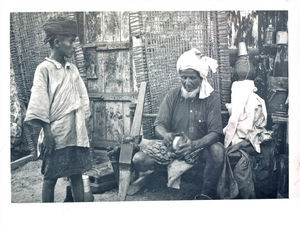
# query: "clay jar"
243,68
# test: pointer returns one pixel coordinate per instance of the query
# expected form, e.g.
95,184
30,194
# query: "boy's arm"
48,142
39,107
39,104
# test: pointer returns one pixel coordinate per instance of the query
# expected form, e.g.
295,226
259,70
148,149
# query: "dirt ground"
26,187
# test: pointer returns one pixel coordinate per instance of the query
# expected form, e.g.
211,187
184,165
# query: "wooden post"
127,148
33,154
22,161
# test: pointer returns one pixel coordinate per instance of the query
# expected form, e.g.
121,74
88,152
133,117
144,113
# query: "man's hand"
188,151
168,138
48,143
185,148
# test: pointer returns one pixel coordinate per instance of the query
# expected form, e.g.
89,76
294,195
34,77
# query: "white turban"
193,59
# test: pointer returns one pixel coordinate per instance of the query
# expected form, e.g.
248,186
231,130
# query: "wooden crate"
277,94
102,178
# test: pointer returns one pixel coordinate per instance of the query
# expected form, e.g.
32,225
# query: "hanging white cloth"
248,115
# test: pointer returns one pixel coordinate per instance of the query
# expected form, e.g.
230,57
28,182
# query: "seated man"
193,110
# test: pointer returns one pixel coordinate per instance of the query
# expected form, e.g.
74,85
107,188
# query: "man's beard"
187,94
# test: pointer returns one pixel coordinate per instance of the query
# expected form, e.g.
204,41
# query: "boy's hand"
48,143
88,121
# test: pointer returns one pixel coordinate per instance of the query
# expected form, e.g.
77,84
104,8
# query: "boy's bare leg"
77,187
48,190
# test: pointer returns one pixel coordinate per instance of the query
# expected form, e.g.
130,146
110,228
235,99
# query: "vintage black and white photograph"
149,105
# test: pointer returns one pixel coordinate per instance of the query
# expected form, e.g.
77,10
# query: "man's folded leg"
144,166
214,157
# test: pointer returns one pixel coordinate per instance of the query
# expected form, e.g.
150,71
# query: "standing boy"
59,103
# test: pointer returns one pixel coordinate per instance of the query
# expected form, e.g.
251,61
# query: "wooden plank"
126,153
117,97
125,71
113,46
126,113
111,26
94,26
20,162
84,38
112,72
101,177
152,115
91,64
101,75
92,109
104,143
124,26
97,84
126,62
106,46
127,148
124,180
137,120
136,44
114,121
92,86
112,63
131,73
100,170
99,121
103,187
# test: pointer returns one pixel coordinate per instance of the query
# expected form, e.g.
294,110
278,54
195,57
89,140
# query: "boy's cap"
60,26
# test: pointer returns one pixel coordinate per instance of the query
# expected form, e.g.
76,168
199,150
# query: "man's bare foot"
139,183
